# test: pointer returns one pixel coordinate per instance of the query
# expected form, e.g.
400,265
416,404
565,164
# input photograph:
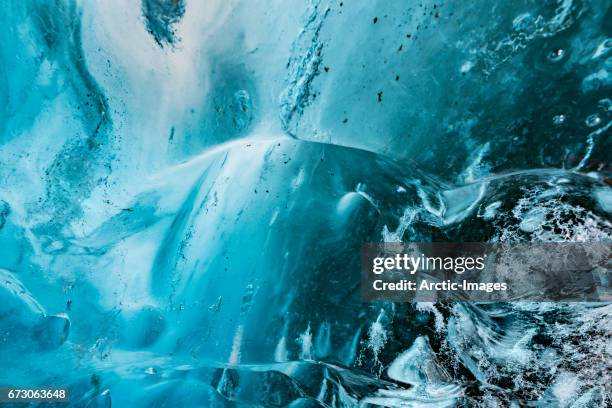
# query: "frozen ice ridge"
185,186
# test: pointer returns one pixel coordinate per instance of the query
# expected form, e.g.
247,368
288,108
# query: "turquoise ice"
185,186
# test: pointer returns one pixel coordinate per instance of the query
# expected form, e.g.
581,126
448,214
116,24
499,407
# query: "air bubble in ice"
593,120
558,120
556,55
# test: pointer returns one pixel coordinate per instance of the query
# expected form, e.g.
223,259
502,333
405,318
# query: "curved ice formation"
185,186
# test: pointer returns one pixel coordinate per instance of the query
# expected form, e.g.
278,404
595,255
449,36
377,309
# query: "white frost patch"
565,388
431,308
405,222
603,196
305,340
280,353
410,366
490,211
377,337
235,355
533,220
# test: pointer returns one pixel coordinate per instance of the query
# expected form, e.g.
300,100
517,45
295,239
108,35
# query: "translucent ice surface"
185,187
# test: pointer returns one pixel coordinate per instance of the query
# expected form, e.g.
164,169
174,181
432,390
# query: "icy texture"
185,186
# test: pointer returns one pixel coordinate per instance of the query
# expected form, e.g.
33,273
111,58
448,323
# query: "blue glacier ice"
185,187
